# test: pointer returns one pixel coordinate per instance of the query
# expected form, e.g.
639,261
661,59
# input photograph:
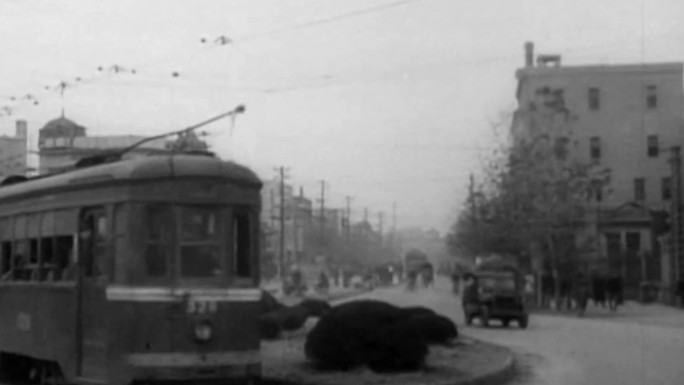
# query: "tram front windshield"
197,235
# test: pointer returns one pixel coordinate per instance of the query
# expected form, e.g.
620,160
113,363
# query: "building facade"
62,142
625,118
14,151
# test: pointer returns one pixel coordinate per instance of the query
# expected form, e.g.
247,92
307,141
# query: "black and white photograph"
341,192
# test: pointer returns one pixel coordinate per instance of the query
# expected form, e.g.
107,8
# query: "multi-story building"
297,220
13,152
625,118
62,143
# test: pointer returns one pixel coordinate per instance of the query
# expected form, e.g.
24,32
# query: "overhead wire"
227,41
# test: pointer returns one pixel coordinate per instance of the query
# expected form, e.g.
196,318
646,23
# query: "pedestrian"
599,290
411,279
614,291
581,294
680,292
470,299
566,294
455,281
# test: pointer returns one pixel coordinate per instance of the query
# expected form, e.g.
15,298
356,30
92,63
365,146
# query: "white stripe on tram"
193,359
160,294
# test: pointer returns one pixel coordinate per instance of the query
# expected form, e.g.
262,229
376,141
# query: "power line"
330,19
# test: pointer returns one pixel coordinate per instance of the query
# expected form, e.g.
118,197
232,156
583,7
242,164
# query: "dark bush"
401,349
366,332
434,329
316,307
416,310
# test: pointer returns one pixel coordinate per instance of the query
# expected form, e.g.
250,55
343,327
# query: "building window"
651,97
666,187
594,99
639,189
652,146
595,148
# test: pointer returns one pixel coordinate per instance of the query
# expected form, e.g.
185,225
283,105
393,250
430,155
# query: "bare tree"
537,194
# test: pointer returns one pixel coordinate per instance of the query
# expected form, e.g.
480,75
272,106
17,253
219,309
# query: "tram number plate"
201,307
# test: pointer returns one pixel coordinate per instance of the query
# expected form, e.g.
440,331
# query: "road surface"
621,350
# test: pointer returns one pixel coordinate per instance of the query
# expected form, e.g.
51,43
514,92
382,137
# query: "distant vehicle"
415,260
132,271
500,297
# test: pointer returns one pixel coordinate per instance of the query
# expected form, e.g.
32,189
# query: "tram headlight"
203,331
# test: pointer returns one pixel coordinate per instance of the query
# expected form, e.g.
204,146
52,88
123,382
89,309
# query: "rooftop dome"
62,127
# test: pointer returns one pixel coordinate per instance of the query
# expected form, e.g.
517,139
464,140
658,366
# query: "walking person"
599,291
614,291
470,299
581,295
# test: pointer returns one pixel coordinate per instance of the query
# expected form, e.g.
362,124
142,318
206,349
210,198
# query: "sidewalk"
630,311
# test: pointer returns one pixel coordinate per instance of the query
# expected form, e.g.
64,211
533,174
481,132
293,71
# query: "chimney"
529,54
21,129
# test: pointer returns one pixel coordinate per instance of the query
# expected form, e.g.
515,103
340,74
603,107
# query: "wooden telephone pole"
281,252
676,232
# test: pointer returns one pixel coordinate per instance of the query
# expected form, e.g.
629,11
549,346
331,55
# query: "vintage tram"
131,271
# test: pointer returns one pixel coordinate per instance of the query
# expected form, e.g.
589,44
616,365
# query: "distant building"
625,118
332,219
13,152
62,142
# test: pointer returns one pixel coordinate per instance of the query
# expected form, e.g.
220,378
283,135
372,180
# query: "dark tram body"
134,271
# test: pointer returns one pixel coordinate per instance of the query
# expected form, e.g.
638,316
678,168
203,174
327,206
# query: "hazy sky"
389,106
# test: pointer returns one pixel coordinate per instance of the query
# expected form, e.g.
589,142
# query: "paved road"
617,350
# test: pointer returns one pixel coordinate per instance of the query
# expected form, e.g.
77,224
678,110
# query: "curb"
496,376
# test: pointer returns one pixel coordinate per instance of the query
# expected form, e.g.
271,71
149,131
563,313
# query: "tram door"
92,301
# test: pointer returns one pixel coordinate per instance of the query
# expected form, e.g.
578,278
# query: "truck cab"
500,297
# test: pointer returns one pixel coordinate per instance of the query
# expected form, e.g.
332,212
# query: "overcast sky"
394,105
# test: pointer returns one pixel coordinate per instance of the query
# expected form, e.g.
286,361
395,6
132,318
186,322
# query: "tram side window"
6,258
93,244
62,225
159,228
21,261
199,243
242,241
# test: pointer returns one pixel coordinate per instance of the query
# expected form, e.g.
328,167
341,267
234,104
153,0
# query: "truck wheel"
523,322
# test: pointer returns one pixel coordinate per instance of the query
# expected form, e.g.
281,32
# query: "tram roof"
148,168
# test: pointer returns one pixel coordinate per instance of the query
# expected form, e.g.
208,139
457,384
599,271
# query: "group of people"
603,290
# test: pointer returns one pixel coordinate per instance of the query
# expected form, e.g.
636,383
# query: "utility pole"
471,198
394,225
281,253
295,222
322,218
394,216
676,215
381,218
348,226
365,214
